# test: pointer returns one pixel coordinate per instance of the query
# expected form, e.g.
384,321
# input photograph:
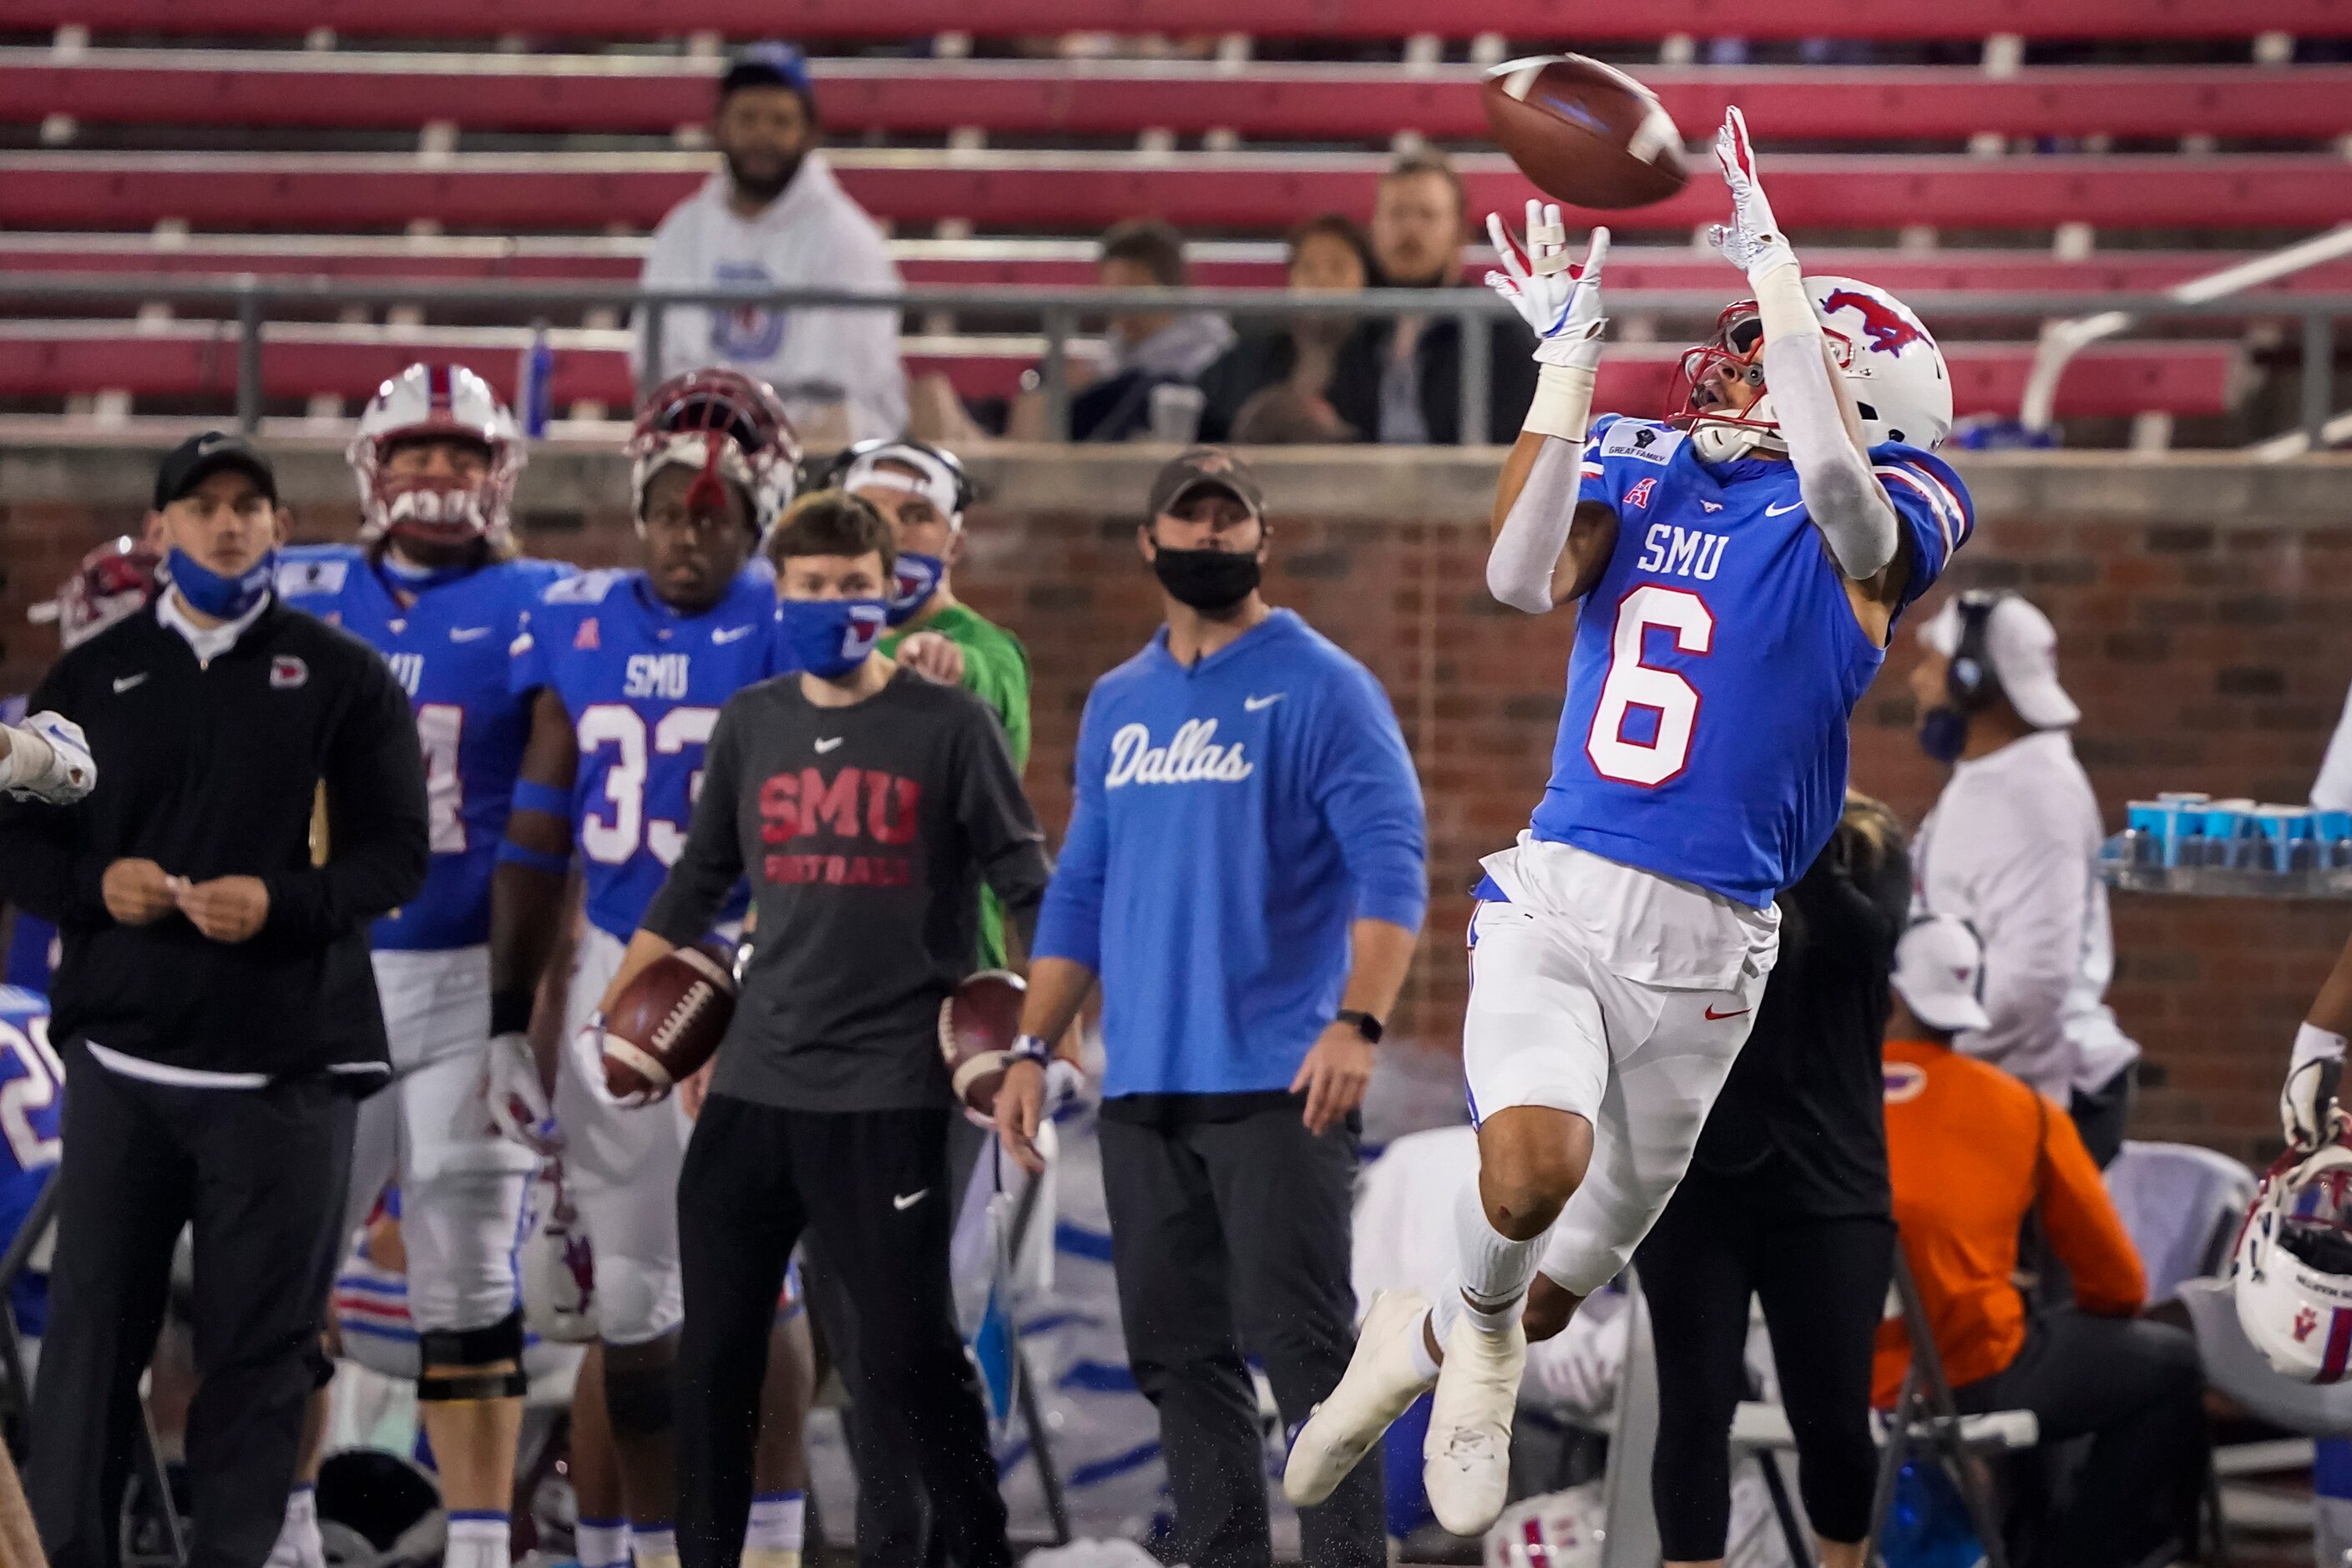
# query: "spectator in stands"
775,217
1400,379
1972,1152
2013,848
1143,351
1282,374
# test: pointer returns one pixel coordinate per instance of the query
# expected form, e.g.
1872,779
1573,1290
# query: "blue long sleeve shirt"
1232,820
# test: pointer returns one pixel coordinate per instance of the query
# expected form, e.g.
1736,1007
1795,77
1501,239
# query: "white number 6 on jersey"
1633,684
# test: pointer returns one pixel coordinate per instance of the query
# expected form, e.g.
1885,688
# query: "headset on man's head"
1970,680
830,473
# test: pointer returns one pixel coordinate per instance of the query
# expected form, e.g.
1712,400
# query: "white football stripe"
1936,503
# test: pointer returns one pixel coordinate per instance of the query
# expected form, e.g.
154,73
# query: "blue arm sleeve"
1069,924
1370,797
1932,507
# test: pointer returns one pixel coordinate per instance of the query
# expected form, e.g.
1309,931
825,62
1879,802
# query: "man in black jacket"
214,1004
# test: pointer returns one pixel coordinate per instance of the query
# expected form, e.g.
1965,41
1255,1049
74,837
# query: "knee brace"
453,1359
637,1399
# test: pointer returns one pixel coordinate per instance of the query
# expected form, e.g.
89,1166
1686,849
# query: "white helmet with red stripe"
731,428
423,402
2292,1266
1901,385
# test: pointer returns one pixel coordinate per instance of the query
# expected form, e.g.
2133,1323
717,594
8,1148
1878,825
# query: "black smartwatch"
1365,1024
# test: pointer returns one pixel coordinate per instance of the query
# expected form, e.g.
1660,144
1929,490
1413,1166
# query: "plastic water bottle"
534,382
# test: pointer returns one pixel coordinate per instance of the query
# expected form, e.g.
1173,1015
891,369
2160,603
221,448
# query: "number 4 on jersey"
1633,684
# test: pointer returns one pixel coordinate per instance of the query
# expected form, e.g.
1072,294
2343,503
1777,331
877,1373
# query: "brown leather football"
978,1024
667,1022
1583,133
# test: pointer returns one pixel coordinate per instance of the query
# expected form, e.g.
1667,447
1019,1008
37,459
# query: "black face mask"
1210,581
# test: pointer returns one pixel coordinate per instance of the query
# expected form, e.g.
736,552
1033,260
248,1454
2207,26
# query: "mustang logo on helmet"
1886,328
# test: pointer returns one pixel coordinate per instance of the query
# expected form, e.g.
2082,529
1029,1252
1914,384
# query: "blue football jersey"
644,686
448,648
32,1084
1717,659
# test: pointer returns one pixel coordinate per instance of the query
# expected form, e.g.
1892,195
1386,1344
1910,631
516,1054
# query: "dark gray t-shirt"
866,832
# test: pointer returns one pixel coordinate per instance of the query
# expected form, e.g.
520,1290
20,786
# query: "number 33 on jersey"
644,686
1717,659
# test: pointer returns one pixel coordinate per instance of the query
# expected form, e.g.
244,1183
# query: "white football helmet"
429,400
729,425
1902,388
2292,1265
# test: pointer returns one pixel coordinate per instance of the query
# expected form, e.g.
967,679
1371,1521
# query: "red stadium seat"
1043,191
574,94
193,360
1552,20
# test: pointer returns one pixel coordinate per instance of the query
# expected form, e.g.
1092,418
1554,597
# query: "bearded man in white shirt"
775,217
2013,848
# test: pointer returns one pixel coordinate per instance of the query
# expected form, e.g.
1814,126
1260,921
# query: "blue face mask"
1943,733
918,579
223,598
827,637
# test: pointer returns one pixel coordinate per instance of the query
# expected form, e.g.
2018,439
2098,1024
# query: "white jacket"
811,237
2013,848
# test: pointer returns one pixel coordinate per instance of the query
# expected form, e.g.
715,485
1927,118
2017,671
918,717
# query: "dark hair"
1339,226
1153,245
831,522
1428,161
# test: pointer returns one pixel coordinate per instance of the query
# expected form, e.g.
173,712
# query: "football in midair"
666,1023
978,1024
1583,133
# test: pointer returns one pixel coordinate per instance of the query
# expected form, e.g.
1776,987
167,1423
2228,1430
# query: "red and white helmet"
1901,386
2292,1265
729,425
427,400
112,583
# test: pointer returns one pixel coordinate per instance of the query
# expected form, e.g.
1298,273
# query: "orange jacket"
1970,1151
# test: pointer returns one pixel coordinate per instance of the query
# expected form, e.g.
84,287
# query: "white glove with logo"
518,1102
1752,240
1556,298
2308,1114
48,760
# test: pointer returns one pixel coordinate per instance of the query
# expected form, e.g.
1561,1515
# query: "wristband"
2313,1044
1371,1028
513,854
1030,1049
510,1011
545,799
1562,406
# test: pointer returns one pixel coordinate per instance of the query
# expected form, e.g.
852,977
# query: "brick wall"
2204,655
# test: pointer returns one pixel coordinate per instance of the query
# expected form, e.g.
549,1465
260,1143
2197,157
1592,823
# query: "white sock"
1424,1365
602,1542
297,1537
655,1546
1495,1270
779,1522
478,1539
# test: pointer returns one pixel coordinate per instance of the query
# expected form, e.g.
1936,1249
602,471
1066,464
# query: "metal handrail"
2062,340
1060,309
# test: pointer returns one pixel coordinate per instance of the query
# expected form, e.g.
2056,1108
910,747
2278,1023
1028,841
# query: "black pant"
1227,1235
1822,1283
874,1186
260,1173
2136,1389
893,1518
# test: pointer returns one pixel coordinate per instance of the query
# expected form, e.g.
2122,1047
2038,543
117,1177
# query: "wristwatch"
1366,1025
1030,1049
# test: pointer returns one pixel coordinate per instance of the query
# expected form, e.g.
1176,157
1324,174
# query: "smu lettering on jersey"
1717,659
32,1099
644,686
448,648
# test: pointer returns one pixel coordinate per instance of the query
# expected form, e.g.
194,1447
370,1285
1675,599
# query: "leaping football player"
1739,566
628,671
434,585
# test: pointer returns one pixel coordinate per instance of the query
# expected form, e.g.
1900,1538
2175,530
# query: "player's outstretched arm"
527,887
2314,1071
1536,510
1816,416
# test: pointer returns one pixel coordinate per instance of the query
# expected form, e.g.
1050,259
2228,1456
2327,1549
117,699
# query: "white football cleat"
1382,1381
1465,1462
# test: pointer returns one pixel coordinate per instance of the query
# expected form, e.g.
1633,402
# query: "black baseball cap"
199,458
1211,468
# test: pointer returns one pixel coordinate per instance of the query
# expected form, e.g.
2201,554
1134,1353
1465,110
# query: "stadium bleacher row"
523,141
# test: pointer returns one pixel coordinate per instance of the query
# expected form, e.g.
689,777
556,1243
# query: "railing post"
1477,373
2319,376
1054,374
655,313
248,354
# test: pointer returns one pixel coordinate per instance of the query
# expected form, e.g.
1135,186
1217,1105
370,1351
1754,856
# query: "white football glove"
48,760
1752,240
1560,299
2308,1114
518,1102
